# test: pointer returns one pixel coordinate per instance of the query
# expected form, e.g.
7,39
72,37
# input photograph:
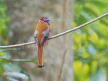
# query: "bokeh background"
77,56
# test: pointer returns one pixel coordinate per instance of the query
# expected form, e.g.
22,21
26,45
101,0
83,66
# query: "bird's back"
41,27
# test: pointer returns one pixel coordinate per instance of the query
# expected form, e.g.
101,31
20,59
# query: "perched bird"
41,35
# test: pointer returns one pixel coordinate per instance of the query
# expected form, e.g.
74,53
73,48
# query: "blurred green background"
90,44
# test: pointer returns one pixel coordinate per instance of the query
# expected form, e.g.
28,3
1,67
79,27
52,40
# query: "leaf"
11,67
98,76
29,78
11,79
9,49
16,75
104,22
1,79
1,70
91,50
86,15
25,60
4,57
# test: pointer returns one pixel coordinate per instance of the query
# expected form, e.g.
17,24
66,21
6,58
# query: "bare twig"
61,65
60,34
64,27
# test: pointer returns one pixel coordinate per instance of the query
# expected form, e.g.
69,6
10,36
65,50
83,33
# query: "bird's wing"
45,36
35,37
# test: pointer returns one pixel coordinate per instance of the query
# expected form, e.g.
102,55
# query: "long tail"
40,56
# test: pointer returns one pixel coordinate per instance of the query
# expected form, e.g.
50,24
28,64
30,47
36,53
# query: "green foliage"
25,60
11,71
8,70
90,42
3,20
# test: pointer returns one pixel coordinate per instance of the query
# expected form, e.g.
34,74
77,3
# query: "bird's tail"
40,56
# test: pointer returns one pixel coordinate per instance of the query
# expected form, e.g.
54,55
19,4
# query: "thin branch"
60,34
64,27
62,63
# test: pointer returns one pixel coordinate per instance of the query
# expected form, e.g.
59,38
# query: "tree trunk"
24,15
67,56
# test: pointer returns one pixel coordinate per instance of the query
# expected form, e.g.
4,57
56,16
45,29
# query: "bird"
41,34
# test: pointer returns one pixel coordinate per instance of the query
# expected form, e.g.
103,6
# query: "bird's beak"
46,20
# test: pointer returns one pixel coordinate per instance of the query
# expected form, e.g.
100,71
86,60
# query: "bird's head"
45,19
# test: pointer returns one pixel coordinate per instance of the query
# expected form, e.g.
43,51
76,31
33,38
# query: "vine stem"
60,34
